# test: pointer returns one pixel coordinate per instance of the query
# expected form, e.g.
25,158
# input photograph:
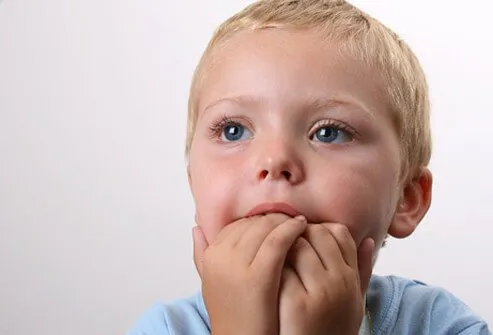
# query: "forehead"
287,66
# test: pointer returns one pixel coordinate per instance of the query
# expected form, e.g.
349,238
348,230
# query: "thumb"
199,246
365,263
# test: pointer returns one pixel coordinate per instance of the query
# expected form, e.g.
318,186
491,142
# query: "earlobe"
413,205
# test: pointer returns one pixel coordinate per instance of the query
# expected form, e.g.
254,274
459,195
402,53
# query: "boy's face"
284,119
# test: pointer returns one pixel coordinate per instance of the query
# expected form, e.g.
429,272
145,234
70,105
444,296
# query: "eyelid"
242,120
333,123
217,126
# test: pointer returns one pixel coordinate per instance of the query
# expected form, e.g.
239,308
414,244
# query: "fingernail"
300,218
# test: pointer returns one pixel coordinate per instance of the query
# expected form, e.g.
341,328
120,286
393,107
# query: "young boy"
308,144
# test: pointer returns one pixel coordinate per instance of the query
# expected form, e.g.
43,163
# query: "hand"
241,272
324,282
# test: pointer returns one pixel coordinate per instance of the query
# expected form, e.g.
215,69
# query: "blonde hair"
360,36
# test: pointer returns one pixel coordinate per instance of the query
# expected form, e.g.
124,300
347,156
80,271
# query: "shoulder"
402,306
183,317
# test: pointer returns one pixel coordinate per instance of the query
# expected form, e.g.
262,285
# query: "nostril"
287,175
263,174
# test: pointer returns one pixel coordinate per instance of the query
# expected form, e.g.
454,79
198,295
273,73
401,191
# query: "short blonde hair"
360,36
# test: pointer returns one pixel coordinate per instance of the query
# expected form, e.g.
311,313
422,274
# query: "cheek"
361,194
215,185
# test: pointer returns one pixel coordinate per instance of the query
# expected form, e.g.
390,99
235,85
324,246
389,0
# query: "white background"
95,211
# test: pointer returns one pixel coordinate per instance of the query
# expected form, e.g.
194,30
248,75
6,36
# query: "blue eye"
235,132
332,134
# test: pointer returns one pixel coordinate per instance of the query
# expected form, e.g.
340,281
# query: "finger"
345,242
258,229
365,263
325,245
307,264
271,255
291,292
232,232
290,283
199,246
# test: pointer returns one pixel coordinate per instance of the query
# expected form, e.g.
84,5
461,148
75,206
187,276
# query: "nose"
279,161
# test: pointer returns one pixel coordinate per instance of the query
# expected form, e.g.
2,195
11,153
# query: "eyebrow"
240,100
317,103
313,103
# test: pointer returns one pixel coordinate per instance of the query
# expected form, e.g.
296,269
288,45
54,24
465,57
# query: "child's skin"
284,117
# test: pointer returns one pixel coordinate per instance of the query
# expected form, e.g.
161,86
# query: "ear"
413,205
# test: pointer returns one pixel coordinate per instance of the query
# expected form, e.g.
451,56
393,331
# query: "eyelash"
216,129
335,124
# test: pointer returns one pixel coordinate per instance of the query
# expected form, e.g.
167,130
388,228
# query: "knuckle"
340,229
341,232
273,222
274,241
265,221
347,280
300,244
318,229
277,218
350,286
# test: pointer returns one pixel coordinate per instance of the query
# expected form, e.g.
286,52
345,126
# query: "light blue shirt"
396,306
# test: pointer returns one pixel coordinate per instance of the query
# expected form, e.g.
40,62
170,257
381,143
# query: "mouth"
273,207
